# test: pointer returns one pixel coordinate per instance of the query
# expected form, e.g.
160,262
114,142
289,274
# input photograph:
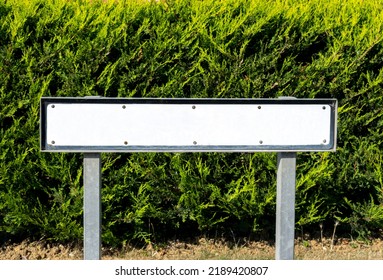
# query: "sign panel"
136,125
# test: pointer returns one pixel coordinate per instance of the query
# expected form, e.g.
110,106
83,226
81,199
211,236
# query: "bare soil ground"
202,249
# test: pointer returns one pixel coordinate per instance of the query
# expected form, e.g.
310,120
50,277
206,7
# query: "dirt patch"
40,250
203,249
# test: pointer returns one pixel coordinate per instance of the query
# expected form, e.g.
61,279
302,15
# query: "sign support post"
92,206
285,216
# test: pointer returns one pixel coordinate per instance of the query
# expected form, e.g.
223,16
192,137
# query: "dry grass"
202,249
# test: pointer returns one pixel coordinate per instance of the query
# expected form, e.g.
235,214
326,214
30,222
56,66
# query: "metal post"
92,206
285,222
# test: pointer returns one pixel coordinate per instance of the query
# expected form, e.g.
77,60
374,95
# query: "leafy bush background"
185,48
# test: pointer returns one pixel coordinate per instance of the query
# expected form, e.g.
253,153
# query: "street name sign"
95,125
187,125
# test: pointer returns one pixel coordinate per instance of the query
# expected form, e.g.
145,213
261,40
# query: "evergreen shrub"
185,48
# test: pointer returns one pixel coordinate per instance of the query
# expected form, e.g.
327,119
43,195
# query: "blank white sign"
188,127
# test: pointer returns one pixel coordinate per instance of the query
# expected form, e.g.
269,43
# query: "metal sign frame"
286,165
187,125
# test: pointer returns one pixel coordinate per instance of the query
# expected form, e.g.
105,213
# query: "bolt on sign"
95,125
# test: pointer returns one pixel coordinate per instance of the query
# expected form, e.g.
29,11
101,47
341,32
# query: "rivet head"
123,107
324,107
125,142
259,107
260,142
195,142
324,141
53,142
52,106
193,107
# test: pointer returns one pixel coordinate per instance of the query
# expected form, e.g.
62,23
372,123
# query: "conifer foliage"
194,49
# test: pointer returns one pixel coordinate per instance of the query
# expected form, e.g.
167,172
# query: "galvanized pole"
285,222
92,206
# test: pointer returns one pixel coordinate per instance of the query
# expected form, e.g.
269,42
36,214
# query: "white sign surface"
202,126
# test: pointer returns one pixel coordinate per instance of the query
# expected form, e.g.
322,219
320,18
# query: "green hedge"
185,48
